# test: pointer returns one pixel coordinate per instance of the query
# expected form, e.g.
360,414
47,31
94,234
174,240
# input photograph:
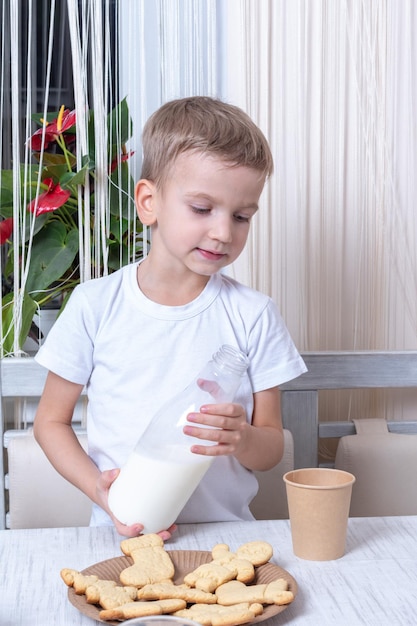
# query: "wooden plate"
184,561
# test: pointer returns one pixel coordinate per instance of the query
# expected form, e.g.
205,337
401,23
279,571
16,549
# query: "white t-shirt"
134,354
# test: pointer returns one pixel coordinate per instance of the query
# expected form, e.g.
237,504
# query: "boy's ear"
144,200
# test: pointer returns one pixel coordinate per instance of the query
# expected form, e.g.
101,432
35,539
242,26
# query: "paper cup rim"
351,478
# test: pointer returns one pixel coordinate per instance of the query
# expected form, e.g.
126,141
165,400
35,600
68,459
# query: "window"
34,33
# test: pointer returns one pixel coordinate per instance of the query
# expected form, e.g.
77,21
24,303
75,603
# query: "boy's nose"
222,230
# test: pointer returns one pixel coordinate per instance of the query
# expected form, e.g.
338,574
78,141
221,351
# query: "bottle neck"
231,360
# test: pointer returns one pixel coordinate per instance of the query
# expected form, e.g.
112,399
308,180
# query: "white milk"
153,492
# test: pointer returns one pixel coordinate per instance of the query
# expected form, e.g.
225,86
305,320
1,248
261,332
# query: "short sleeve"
272,353
68,348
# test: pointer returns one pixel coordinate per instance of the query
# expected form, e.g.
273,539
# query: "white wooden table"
374,584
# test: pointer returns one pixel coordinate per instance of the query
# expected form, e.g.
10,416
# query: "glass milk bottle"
161,473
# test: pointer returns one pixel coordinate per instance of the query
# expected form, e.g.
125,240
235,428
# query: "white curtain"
169,49
45,42
333,85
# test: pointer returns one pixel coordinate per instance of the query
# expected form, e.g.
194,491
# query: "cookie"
209,576
150,565
80,582
215,615
277,592
142,609
235,592
162,591
109,595
257,552
222,556
150,540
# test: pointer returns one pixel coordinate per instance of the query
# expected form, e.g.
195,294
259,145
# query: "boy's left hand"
228,432
104,483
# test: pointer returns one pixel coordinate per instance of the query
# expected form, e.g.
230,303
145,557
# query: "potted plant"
60,207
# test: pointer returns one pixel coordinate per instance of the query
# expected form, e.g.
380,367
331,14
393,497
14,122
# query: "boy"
137,337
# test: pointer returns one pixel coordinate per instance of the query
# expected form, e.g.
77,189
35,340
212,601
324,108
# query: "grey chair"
271,499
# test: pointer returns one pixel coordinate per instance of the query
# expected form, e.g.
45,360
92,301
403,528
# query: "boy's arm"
53,431
263,440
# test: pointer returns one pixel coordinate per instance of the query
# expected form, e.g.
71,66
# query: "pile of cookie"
218,593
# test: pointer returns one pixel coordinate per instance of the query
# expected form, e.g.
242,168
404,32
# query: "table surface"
374,583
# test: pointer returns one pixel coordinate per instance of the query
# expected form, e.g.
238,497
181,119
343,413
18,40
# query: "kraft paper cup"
318,505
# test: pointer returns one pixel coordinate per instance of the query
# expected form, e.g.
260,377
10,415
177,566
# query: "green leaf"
55,171
87,162
51,159
91,139
119,128
7,180
31,172
122,192
115,252
117,228
40,222
119,125
29,307
7,188
53,252
50,116
6,202
7,270
71,180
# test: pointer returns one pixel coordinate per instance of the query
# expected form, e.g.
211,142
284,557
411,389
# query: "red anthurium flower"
64,121
51,199
120,159
6,229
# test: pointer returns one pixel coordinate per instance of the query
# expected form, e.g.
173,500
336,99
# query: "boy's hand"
229,432
104,482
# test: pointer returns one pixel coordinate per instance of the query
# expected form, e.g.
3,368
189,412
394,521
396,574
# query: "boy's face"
202,212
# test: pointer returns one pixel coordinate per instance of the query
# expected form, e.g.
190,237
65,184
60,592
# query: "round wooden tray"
184,561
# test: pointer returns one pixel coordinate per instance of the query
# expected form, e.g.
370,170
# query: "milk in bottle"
161,473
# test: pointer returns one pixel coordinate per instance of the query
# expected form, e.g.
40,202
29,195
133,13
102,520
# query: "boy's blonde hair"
202,124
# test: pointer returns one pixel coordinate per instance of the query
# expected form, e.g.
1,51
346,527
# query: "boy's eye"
238,217
242,218
201,210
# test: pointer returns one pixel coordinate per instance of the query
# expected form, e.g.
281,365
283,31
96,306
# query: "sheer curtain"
89,54
52,54
333,85
169,49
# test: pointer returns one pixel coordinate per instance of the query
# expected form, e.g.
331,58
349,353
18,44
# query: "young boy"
137,337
